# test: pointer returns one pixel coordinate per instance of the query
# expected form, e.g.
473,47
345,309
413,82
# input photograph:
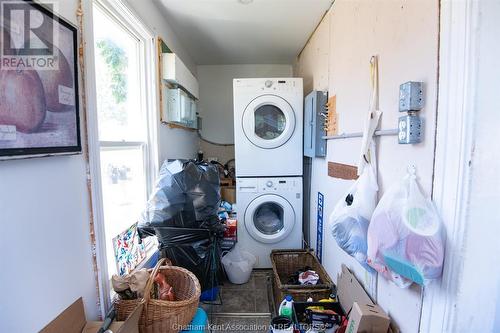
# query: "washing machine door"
268,121
269,218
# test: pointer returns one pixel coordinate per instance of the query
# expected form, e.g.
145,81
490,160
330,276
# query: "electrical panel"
314,118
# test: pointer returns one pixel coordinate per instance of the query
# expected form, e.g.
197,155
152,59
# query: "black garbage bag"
186,193
182,214
196,249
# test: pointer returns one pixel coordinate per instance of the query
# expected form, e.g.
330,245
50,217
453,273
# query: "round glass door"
269,218
268,121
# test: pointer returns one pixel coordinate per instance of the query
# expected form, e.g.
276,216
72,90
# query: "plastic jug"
238,265
286,307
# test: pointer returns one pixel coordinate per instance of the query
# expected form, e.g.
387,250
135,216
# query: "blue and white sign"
319,229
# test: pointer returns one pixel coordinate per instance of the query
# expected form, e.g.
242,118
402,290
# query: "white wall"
216,101
404,33
46,255
173,142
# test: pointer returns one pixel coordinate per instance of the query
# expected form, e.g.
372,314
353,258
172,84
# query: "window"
124,115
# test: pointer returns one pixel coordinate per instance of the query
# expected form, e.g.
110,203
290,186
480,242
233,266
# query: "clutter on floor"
171,298
287,267
349,310
183,214
72,320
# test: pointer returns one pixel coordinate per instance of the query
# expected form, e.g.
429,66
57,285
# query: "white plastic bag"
350,217
405,238
238,265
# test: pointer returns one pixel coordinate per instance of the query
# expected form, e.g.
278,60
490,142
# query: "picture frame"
39,82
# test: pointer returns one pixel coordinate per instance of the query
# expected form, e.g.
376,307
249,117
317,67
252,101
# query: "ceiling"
216,32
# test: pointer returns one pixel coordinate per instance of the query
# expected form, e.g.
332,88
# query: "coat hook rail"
360,134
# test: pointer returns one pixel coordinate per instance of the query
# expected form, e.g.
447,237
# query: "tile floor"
245,308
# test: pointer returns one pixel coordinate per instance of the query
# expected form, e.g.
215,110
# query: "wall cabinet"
179,107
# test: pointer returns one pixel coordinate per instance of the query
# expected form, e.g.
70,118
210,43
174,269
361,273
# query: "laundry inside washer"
268,218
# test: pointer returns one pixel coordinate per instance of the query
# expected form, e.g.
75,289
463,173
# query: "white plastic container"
238,265
286,307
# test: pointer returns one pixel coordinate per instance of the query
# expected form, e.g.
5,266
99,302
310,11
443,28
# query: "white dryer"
268,128
269,215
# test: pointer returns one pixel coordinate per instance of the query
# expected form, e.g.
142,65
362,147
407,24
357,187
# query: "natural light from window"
123,125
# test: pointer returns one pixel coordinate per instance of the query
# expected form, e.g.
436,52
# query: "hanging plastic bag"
238,265
351,216
405,238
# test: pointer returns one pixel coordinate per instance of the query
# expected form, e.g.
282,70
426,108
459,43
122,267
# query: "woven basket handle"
149,285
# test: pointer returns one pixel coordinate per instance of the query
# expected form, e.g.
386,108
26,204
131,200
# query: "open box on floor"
364,315
72,320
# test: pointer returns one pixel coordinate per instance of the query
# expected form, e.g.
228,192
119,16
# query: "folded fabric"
308,278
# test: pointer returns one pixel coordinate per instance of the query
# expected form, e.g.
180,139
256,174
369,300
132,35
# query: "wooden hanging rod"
360,134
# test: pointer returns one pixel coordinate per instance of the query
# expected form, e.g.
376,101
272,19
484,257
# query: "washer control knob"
268,83
269,184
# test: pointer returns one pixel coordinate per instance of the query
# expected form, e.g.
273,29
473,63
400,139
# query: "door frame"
458,51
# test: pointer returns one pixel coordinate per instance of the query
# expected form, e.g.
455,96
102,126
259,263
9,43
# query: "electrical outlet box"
410,129
411,96
314,121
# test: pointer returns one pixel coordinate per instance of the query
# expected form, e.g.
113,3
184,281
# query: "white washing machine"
269,215
268,127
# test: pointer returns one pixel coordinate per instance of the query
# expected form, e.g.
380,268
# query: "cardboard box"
226,182
72,320
365,316
228,193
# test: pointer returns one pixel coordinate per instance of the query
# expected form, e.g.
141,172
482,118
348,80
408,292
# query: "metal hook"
412,170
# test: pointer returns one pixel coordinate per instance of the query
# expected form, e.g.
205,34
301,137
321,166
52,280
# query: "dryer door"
269,218
268,121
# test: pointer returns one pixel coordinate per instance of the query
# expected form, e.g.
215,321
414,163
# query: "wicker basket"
287,262
166,316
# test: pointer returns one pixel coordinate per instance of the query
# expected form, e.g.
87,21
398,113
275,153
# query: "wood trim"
94,170
342,171
454,148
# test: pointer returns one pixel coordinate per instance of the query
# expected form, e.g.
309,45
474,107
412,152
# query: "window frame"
124,16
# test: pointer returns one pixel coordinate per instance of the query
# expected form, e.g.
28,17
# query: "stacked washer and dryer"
268,129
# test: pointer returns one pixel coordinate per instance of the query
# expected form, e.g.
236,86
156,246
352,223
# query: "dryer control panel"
267,185
270,85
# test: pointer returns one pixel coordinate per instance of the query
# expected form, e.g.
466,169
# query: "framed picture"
39,103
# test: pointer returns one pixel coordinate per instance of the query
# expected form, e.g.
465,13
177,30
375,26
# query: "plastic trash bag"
186,192
238,265
405,238
182,214
350,217
196,249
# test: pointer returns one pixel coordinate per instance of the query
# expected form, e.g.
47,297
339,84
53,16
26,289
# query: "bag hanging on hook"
405,238
351,216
